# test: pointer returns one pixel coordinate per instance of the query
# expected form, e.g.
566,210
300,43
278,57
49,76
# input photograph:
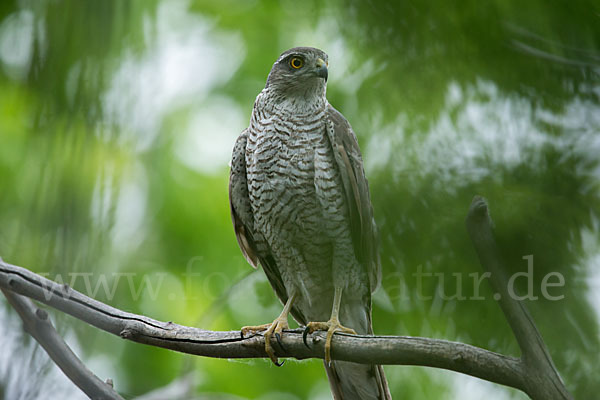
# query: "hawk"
301,208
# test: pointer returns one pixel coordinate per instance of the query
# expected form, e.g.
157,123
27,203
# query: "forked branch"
541,379
534,373
38,325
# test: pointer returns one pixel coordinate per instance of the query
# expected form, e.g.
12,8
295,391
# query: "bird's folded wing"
239,201
356,188
243,224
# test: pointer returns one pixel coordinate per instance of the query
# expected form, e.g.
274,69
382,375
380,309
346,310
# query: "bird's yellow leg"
274,328
331,326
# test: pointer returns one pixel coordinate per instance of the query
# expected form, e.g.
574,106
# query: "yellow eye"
296,62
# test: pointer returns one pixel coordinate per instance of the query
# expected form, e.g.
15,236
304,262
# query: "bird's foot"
331,326
273,329
254,329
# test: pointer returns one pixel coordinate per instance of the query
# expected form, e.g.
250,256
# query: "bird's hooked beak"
322,69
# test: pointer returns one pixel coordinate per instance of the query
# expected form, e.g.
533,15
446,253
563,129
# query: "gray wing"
356,188
239,201
243,223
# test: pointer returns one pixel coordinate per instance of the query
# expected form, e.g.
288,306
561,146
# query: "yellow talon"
332,326
274,328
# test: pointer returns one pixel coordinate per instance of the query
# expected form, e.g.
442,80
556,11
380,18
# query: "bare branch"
38,325
534,373
542,379
398,350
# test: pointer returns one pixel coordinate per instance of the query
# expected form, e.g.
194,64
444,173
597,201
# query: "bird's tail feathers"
352,381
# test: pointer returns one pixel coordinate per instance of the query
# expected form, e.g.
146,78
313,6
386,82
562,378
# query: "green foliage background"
116,123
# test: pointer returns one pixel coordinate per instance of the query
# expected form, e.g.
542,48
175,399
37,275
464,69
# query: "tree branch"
398,350
542,381
38,325
534,373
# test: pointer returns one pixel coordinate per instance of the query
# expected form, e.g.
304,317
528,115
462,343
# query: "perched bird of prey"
301,208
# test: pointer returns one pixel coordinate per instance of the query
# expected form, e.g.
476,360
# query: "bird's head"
299,72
